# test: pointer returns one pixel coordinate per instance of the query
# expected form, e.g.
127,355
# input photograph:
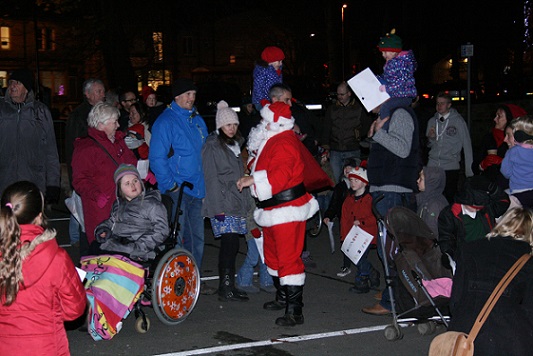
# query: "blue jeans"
246,272
336,159
390,200
191,235
393,103
74,230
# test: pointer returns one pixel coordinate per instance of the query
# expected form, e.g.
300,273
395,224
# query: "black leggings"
229,247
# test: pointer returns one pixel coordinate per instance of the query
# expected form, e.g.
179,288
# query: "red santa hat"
358,173
146,92
516,110
272,54
278,115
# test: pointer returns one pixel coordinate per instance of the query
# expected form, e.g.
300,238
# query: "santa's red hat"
278,115
516,110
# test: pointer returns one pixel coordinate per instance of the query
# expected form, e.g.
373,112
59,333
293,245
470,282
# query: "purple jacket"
398,75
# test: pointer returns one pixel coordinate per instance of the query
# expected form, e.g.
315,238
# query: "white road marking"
292,339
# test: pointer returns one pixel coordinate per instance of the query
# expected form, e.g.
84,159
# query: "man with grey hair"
94,92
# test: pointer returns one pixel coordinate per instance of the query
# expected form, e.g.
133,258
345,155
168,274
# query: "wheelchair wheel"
175,286
314,224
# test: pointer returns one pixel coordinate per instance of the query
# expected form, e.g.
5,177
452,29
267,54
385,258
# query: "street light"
344,6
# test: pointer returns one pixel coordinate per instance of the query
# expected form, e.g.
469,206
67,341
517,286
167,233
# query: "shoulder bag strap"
102,147
496,293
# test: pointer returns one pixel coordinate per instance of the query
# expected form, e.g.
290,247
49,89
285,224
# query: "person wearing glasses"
127,99
344,123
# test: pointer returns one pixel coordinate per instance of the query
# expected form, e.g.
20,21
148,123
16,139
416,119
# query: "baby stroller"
118,285
413,258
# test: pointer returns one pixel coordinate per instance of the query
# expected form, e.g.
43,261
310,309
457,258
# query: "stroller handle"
374,209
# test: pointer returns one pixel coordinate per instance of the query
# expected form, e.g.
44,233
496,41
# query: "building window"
187,46
232,59
4,38
46,41
158,46
3,79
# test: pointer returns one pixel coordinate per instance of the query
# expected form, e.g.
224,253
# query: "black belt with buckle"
283,197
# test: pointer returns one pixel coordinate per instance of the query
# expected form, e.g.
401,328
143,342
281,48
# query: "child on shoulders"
267,73
398,74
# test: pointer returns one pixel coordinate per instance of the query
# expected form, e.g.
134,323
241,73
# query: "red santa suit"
278,172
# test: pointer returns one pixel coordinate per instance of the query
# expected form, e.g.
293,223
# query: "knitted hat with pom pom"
390,42
225,115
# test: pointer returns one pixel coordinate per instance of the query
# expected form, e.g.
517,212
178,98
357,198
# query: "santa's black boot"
278,303
293,310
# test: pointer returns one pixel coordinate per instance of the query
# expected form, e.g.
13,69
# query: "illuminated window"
4,38
232,59
47,39
158,46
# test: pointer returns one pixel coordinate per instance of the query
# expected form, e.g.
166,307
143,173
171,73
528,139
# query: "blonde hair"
525,124
21,203
516,223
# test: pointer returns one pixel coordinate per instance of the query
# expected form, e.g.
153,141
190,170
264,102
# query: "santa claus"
283,206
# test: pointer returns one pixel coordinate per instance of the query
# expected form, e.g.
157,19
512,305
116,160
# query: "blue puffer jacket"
180,134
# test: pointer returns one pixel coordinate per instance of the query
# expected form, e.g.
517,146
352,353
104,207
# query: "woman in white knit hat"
224,205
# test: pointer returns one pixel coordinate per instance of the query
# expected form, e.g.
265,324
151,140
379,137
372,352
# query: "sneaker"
344,272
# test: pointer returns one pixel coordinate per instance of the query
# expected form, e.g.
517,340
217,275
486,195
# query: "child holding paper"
357,211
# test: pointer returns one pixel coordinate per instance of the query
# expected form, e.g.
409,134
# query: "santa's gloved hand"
256,233
102,200
220,217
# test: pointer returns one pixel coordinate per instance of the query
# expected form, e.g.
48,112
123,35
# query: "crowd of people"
254,176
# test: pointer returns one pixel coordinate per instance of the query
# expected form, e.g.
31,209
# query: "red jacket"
279,166
361,210
92,175
51,294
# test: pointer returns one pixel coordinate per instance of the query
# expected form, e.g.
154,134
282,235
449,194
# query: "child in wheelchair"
138,224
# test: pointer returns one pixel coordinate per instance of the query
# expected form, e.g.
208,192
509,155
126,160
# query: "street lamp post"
344,6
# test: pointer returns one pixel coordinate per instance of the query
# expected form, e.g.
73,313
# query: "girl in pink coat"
39,286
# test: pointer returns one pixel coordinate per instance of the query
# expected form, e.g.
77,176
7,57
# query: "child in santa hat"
267,72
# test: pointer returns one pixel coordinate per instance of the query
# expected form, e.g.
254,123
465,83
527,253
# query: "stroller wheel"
175,286
142,325
427,328
393,333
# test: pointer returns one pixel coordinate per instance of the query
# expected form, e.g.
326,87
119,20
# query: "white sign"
366,86
356,243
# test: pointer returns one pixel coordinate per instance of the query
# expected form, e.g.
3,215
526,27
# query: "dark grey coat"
28,149
139,227
222,169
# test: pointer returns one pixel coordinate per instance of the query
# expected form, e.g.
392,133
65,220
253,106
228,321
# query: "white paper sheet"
356,243
259,243
331,237
142,167
81,273
366,86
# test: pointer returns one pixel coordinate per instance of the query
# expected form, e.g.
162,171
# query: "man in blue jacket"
178,135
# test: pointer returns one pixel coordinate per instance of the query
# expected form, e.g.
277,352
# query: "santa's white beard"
257,135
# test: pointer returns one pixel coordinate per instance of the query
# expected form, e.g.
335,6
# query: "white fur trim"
263,189
293,280
272,272
286,214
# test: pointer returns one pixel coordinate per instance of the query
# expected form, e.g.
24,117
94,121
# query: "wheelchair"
172,282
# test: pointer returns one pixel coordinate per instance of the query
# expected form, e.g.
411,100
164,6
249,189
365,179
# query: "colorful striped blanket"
114,284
